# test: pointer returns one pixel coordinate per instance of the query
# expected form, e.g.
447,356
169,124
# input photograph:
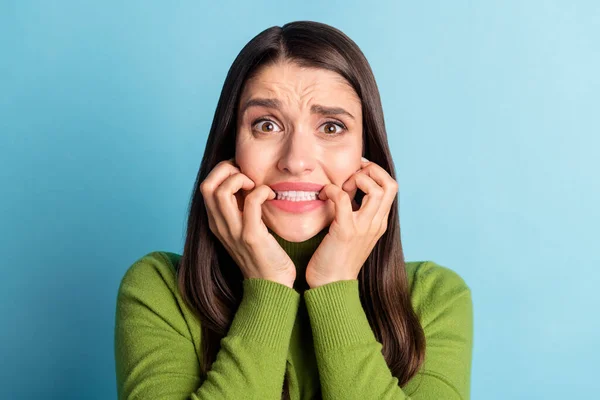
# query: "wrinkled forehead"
296,86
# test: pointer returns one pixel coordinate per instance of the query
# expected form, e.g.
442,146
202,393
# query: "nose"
298,155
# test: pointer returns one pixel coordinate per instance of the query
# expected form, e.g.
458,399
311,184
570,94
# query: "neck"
300,253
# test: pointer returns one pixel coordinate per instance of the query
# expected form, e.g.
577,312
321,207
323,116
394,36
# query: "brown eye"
268,127
265,126
330,128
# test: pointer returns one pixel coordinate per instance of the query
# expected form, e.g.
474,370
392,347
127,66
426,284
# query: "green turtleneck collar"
300,253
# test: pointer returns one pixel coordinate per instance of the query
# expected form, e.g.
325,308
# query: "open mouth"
297,196
297,202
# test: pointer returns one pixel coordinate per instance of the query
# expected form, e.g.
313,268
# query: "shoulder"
437,289
442,301
151,315
149,290
155,270
429,275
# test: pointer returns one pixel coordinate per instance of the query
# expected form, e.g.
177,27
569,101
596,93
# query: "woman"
292,283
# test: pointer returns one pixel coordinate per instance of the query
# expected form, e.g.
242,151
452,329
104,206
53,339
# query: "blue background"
492,110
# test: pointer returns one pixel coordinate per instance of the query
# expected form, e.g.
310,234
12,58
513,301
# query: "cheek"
252,166
340,165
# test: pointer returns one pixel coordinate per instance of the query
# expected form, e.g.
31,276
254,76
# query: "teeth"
294,195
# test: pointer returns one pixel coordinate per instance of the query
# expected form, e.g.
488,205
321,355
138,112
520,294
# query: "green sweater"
319,338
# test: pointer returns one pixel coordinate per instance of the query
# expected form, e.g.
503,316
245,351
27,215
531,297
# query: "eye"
269,125
331,124
265,125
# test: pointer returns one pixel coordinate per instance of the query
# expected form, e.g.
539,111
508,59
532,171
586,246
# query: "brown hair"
209,279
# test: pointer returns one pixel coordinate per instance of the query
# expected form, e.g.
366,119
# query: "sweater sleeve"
154,344
351,364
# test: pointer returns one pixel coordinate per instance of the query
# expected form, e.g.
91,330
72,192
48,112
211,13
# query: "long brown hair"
209,279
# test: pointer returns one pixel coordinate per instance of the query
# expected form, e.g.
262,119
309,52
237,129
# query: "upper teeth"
297,194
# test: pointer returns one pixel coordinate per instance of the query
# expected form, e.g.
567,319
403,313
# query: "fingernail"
364,159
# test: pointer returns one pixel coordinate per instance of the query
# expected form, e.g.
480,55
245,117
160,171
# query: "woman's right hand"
243,233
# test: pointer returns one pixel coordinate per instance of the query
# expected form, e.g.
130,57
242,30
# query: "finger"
226,201
350,187
372,200
379,175
384,180
365,166
350,184
214,179
343,206
231,186
252,215
218,174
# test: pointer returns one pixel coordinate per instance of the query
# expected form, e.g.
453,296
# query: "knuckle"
252,198
220,193
247,238
339,196
205,188
383,228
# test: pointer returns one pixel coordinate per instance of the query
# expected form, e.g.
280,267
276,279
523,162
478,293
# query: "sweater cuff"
336,315
266,313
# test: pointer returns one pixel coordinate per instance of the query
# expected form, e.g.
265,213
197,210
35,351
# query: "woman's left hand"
352,234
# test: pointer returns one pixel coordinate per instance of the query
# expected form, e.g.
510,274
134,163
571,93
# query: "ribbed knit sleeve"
351,364
154,345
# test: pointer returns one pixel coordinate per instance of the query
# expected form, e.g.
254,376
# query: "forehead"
290,82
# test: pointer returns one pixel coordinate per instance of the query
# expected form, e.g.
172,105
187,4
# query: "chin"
297,232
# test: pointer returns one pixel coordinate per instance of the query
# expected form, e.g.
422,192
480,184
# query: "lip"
296,206
302,186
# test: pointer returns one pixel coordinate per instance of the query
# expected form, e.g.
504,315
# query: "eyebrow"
276,104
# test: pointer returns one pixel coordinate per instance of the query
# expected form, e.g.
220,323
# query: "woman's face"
310,130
